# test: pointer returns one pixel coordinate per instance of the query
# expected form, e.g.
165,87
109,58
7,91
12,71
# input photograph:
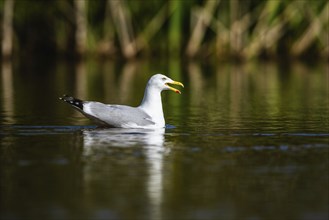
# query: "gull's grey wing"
116,115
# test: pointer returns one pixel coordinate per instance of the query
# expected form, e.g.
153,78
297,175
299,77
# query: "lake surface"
244,141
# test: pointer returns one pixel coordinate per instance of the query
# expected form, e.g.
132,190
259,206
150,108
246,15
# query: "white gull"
148,114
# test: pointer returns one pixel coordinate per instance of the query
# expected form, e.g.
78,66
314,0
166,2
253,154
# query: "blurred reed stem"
243,28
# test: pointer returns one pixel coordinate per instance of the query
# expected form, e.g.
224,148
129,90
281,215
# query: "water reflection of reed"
224,90
259,90
114,86
8,91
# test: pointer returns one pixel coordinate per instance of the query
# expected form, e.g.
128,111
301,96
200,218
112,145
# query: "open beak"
175,83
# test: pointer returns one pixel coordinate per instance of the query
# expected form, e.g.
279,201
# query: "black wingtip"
63,96
72,101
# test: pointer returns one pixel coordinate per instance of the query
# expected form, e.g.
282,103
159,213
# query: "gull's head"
162,82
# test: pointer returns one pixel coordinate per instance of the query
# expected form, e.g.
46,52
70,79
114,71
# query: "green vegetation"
190,28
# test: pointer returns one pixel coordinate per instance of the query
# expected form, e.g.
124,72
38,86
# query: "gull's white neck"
152,105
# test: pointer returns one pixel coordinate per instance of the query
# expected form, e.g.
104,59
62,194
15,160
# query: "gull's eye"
164,78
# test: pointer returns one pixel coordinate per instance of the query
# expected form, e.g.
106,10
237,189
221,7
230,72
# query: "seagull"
148,114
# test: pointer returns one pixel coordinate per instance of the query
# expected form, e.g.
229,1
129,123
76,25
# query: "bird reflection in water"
97,142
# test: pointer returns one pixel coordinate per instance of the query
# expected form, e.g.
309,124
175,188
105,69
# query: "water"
242,142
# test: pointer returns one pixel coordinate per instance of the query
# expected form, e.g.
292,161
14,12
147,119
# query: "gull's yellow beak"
175,83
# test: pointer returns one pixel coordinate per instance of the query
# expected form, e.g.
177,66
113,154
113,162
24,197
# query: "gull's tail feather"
77,103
